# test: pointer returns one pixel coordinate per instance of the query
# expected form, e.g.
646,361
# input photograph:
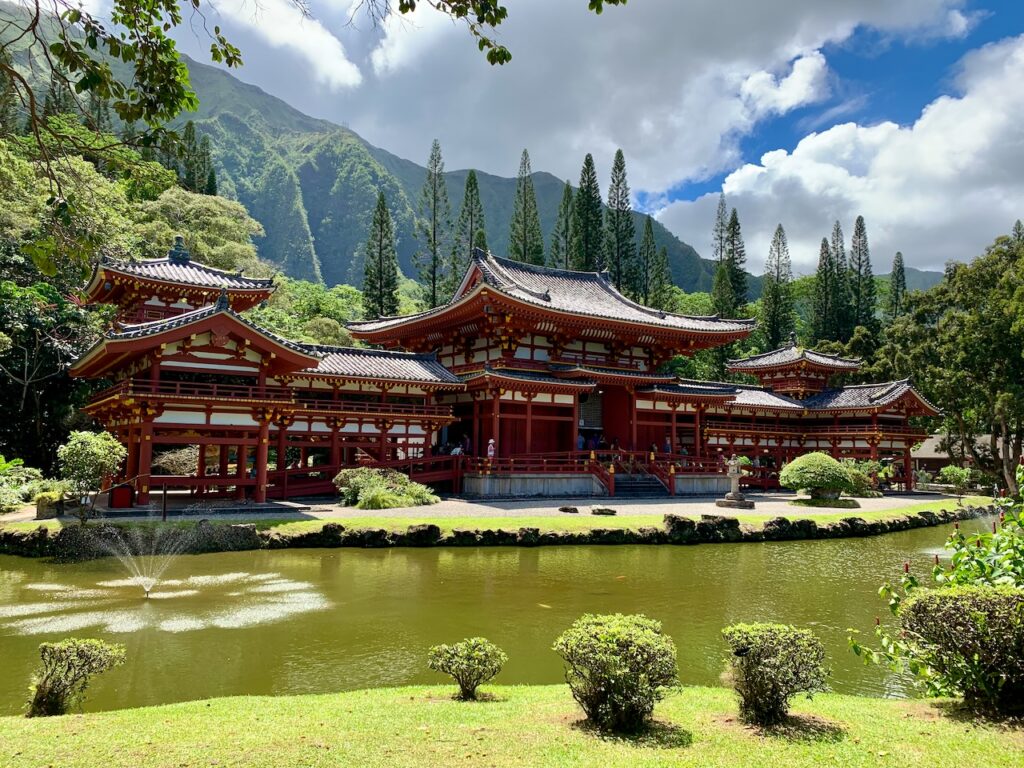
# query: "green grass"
562,522
827,503
520,726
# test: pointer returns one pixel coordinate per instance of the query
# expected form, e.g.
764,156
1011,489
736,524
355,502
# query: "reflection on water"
325,620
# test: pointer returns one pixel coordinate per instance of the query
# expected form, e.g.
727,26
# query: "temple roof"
786,357
184,270
587,294
580,371
532,377
865,396
379,364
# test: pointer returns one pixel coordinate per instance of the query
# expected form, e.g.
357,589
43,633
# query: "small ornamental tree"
771,663
816,473
85,460
958,477
64,673
471,663
618,667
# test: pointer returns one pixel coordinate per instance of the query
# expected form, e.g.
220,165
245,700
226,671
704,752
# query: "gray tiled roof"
581,293
379,364
793,354
693,388
170,270
527,376
863,396
600,371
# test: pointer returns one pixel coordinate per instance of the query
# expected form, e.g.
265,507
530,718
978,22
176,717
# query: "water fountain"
147,553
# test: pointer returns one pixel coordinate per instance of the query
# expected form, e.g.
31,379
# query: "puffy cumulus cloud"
937,190
281,24
676,85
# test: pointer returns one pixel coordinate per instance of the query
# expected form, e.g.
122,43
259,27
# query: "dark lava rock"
680,530
528,537
422,535
569,510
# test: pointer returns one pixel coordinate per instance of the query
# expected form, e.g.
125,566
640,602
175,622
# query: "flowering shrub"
372,488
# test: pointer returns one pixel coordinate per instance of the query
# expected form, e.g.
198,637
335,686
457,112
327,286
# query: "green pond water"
303,621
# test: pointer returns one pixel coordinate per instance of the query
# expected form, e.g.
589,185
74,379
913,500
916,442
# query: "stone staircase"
639,486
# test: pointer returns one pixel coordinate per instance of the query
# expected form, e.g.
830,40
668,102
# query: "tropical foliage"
470,663
64,672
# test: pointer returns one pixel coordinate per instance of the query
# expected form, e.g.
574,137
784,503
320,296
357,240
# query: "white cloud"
407,38
806,83
937,190
281,24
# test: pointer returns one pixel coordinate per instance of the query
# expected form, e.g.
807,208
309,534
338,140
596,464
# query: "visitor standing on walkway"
491,449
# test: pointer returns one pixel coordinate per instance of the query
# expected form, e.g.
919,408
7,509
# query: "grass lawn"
563,522
521,726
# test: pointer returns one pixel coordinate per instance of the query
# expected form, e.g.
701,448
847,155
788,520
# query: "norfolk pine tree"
736,258
842,301
465,238
661,281
862,281
526,241
647,257
380,276
718,231
776,296
587,243
823,312
561,235
433,229
897,288
620,233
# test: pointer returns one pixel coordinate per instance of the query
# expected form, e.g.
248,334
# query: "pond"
304,621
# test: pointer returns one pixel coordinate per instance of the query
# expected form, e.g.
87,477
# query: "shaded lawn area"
519,726
562,522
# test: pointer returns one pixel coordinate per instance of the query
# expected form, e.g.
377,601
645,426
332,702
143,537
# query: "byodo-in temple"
530,381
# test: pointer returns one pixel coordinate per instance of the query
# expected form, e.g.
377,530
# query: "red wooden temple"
558,368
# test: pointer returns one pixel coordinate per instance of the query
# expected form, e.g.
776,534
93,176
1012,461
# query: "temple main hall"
530,381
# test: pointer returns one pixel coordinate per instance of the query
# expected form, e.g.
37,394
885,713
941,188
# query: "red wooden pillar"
262,448
908,468
201,469
145,460
477,432
632,417
529,422
222,464
282,446
575,421
698,438
335,444
495,400
132,463
675,444
241,462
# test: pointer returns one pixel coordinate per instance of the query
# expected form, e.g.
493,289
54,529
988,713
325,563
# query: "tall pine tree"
661,281
647,258
8,99
823,315
842,301
587,227
897,287
97,114
468,229
722,297
526,241
380,273
718,231
736,259
561,235
59,99
862,281
433,229
619,231
777,317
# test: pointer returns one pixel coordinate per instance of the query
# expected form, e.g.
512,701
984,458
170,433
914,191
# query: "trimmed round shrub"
968,640
64,673
618,667
817,474
471,663
771,663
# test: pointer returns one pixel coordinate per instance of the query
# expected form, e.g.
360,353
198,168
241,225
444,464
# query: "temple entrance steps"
638,485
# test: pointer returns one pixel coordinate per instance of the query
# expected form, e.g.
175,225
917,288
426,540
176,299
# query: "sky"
802,112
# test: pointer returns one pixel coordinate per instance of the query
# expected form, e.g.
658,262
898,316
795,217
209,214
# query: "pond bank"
519,725
75,542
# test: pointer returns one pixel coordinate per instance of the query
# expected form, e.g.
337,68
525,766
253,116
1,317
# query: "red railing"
829,429
276,395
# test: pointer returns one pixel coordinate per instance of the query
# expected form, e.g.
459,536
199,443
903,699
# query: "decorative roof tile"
864,396
588,294
175,269
527,376
790,354
378,364
593,370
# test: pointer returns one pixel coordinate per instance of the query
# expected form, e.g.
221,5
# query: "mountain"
313,184
921,279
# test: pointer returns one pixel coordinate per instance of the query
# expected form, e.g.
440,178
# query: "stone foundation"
701,485
566,485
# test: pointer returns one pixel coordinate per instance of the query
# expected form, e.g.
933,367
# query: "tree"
718,231
526,241
823,325
897,287
59,99
380,276
8,99
587,228
721,291
210,188
842,299
561,235
469,224
647,263
433,228
97,114
776,297
662,287
86,460
736,258
64,672
862,281
620,233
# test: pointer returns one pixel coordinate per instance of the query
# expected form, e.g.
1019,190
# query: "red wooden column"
132,463
241,462
282,447
201,469
335,425
698,440
675,445
574,432
529,422
262,449
908,469
495,406
222,463
145,460
476,447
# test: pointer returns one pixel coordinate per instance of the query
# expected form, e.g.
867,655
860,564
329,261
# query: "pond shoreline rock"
75,543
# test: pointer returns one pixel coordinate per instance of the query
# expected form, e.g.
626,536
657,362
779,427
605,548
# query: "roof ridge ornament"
792,338
223,304
179,253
